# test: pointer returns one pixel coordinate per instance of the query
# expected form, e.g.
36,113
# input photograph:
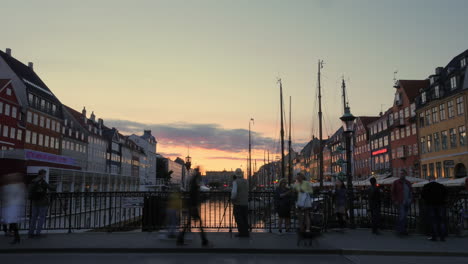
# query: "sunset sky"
195,72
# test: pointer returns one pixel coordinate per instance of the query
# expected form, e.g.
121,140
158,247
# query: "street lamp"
348,128
188,165
250,155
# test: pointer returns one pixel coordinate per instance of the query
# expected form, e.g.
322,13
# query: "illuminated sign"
380,151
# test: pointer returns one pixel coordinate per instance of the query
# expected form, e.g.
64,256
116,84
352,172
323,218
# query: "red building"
362,153
403,131
11,128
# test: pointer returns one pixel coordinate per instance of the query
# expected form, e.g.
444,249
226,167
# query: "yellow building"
442,121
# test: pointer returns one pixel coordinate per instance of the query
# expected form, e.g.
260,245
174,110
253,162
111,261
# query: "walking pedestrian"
193,208
340,198
434,195
402,198
283,205
374,205
13,193
174,206
303,191
240,200
39,195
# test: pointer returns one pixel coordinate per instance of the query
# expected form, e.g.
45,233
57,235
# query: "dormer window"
453,82
423,98
463,62
436,92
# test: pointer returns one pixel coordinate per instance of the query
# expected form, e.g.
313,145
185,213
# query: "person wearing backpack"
39,195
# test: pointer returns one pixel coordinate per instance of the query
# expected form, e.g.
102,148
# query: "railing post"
70,212
110,213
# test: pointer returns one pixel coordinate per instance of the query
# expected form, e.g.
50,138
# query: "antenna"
395,75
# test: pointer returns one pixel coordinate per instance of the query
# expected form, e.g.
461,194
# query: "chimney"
8,51
93,117
101,123
438,70
31,65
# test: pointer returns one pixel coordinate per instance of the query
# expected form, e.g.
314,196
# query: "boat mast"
320,66
290,148
283,171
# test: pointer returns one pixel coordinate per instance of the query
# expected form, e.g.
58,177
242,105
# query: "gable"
7,92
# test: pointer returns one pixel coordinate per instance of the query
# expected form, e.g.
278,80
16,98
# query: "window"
413,109
36,119
46,141
48,123
453,138
462,135
57,144
435,117
451,111
13,111
463,62
5,131
28,136
415,149
460,106
413,127
421,119
438,169
429,143
34,138
390,120
42,104
41,140
402,132
436,142
442,112
423,97
431,169
392,136
444,136
8,91
408,131
436,92
380,142
29,117
424,171
7,109
13,133
52,142
30,98
77,134
397,134
428,117
52,125
54,108
385,141
407,112
1,107
423,145
453,82
58,127
41,121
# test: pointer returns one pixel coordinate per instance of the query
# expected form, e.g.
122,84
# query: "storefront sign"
449,163
380,151
47,157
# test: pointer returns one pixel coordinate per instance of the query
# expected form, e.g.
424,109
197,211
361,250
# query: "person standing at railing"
402,196
193,207
283,205
39,195
434,195
240,200
340,199
374,204
303,190
12,192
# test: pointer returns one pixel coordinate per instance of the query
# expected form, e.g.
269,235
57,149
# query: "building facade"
379,142
362,153
404,139
442,121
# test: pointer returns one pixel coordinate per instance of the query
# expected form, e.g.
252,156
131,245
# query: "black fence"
147,211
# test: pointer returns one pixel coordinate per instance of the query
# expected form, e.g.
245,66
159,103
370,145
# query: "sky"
196,72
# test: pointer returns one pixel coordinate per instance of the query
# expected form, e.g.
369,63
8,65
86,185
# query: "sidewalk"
350,242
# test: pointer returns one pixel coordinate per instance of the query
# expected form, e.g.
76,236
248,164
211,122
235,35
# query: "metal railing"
120,211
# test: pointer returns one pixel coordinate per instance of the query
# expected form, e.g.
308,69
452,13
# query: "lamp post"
348,127
250,155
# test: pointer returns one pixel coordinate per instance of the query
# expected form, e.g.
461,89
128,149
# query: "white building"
148,163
